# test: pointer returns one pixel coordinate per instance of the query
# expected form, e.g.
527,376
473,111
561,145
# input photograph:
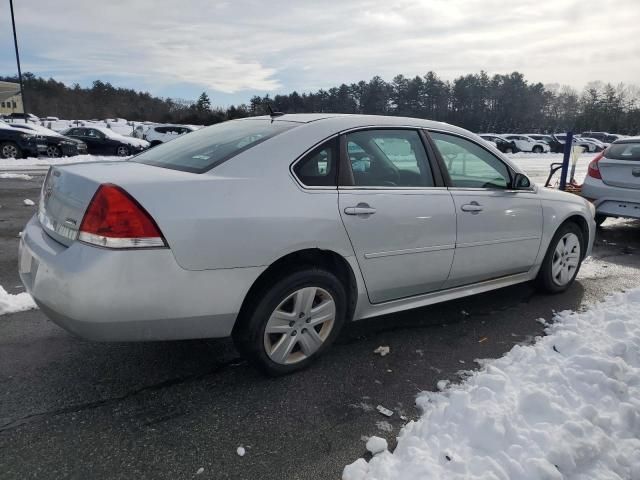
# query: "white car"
588,145
613,181
163,133
528,144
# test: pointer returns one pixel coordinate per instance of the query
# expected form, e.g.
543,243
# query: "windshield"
623,151
204,149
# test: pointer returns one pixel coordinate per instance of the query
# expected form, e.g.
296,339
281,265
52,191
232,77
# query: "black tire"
7,147
249,332
122,151
544,281
155,143
53,151
600,219
537,149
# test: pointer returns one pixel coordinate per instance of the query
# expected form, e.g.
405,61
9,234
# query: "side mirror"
521,182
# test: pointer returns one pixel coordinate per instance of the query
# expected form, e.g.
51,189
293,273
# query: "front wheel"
292,322
537,149
122,151
53,151
563,259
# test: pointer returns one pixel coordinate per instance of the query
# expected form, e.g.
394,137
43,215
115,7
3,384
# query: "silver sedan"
613,180
278,230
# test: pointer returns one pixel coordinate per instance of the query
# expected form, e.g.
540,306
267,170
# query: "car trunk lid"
68,190
620,166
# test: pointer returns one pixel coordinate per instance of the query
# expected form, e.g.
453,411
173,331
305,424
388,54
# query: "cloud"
280,45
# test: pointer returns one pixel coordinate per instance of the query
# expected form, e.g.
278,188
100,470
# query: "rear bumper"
612,201
128,295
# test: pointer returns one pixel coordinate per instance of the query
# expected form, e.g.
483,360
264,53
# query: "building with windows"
10,98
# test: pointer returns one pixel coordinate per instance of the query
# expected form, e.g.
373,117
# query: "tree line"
478,102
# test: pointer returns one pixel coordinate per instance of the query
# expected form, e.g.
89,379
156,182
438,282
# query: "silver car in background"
278,230
613,180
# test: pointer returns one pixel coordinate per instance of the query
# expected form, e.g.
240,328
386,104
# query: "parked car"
604,137
22,116
57,145
501,143
163,133
528,144
15,143
555,146
601,145
262,229
103,141
613,180
579,141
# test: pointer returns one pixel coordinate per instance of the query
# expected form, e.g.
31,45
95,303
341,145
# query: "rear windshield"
203,149
623,151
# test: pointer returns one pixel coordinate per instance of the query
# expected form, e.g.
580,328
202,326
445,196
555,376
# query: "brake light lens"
114,219
594,169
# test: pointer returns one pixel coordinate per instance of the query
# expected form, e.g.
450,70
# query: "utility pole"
15,42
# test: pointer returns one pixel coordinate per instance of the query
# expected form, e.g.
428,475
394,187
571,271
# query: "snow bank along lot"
567,407
10,303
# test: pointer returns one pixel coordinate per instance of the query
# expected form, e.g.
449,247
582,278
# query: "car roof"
628,140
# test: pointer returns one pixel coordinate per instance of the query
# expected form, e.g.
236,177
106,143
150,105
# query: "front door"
499,229
401,225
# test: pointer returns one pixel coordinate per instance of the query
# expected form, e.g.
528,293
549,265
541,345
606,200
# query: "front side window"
319,167
388,158
469,165
204,149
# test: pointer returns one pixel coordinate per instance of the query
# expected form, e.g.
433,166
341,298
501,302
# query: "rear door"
399,216
620,166
499,229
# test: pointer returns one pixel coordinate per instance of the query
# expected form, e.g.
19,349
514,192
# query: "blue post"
565,160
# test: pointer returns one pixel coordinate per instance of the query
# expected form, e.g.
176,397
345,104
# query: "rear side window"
204,149
623,151
319,167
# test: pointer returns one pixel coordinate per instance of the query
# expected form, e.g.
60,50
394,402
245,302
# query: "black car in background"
15,143
502,144
103,141
57,145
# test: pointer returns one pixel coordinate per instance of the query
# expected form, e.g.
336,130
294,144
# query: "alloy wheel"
566,259
9,151
299,325
122,151
53,151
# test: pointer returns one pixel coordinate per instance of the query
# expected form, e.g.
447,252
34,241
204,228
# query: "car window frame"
445,172
345,172
336,140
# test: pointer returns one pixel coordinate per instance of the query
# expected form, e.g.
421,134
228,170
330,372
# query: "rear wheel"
563,259
292,322
537,149
10,150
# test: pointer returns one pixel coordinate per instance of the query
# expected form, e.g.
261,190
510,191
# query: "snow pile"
20,176
565,407
15,303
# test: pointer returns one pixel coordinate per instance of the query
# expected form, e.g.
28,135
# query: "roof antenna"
273,114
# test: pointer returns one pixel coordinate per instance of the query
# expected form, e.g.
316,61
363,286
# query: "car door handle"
473,207
360,209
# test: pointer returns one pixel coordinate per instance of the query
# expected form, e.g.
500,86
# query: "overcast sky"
234,49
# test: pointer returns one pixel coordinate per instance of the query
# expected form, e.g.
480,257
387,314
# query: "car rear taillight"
115,220
594,170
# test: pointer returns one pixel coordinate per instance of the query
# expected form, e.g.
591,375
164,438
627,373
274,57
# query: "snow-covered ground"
10,303
566,407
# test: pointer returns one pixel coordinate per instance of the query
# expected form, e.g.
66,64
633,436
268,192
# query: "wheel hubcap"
9,151
566,259
299,325
122,151
52,152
